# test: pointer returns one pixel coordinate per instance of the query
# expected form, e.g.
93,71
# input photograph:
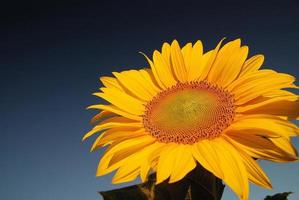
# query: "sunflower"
217,109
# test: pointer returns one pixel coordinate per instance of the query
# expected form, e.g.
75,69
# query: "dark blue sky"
53,53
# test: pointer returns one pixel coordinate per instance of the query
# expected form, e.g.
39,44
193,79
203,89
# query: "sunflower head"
216,109
189,112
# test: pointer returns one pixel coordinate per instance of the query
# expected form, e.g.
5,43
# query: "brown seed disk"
188,112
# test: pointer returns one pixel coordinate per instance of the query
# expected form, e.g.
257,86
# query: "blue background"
52,54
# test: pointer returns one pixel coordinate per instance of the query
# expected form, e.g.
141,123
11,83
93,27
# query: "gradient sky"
52,55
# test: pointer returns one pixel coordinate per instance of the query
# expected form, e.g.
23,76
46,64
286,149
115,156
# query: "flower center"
189,112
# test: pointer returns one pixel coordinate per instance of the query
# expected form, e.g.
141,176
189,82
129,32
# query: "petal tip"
175,42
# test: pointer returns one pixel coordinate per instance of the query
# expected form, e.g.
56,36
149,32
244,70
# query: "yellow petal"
290,109
119,152
202,160
137,163
123,153
98,117
207,61
255,84
133,81
252,64
281,93
122,100
255,172
112,135
183,163
234,171
151,83
155,155
256,75
144,170
155,72
116,110
127,172
178,63
111,82
146,163
259,147
228,63
268,99
206,155
94,145
196,61
233,67
166,161
125,175
122,148
246,131
166,53
266,124
285,144
163,70
186,52
113,122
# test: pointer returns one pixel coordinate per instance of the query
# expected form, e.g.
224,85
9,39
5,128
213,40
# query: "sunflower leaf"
198,184
279,196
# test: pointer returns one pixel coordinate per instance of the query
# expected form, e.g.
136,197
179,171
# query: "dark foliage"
198,184
279,196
